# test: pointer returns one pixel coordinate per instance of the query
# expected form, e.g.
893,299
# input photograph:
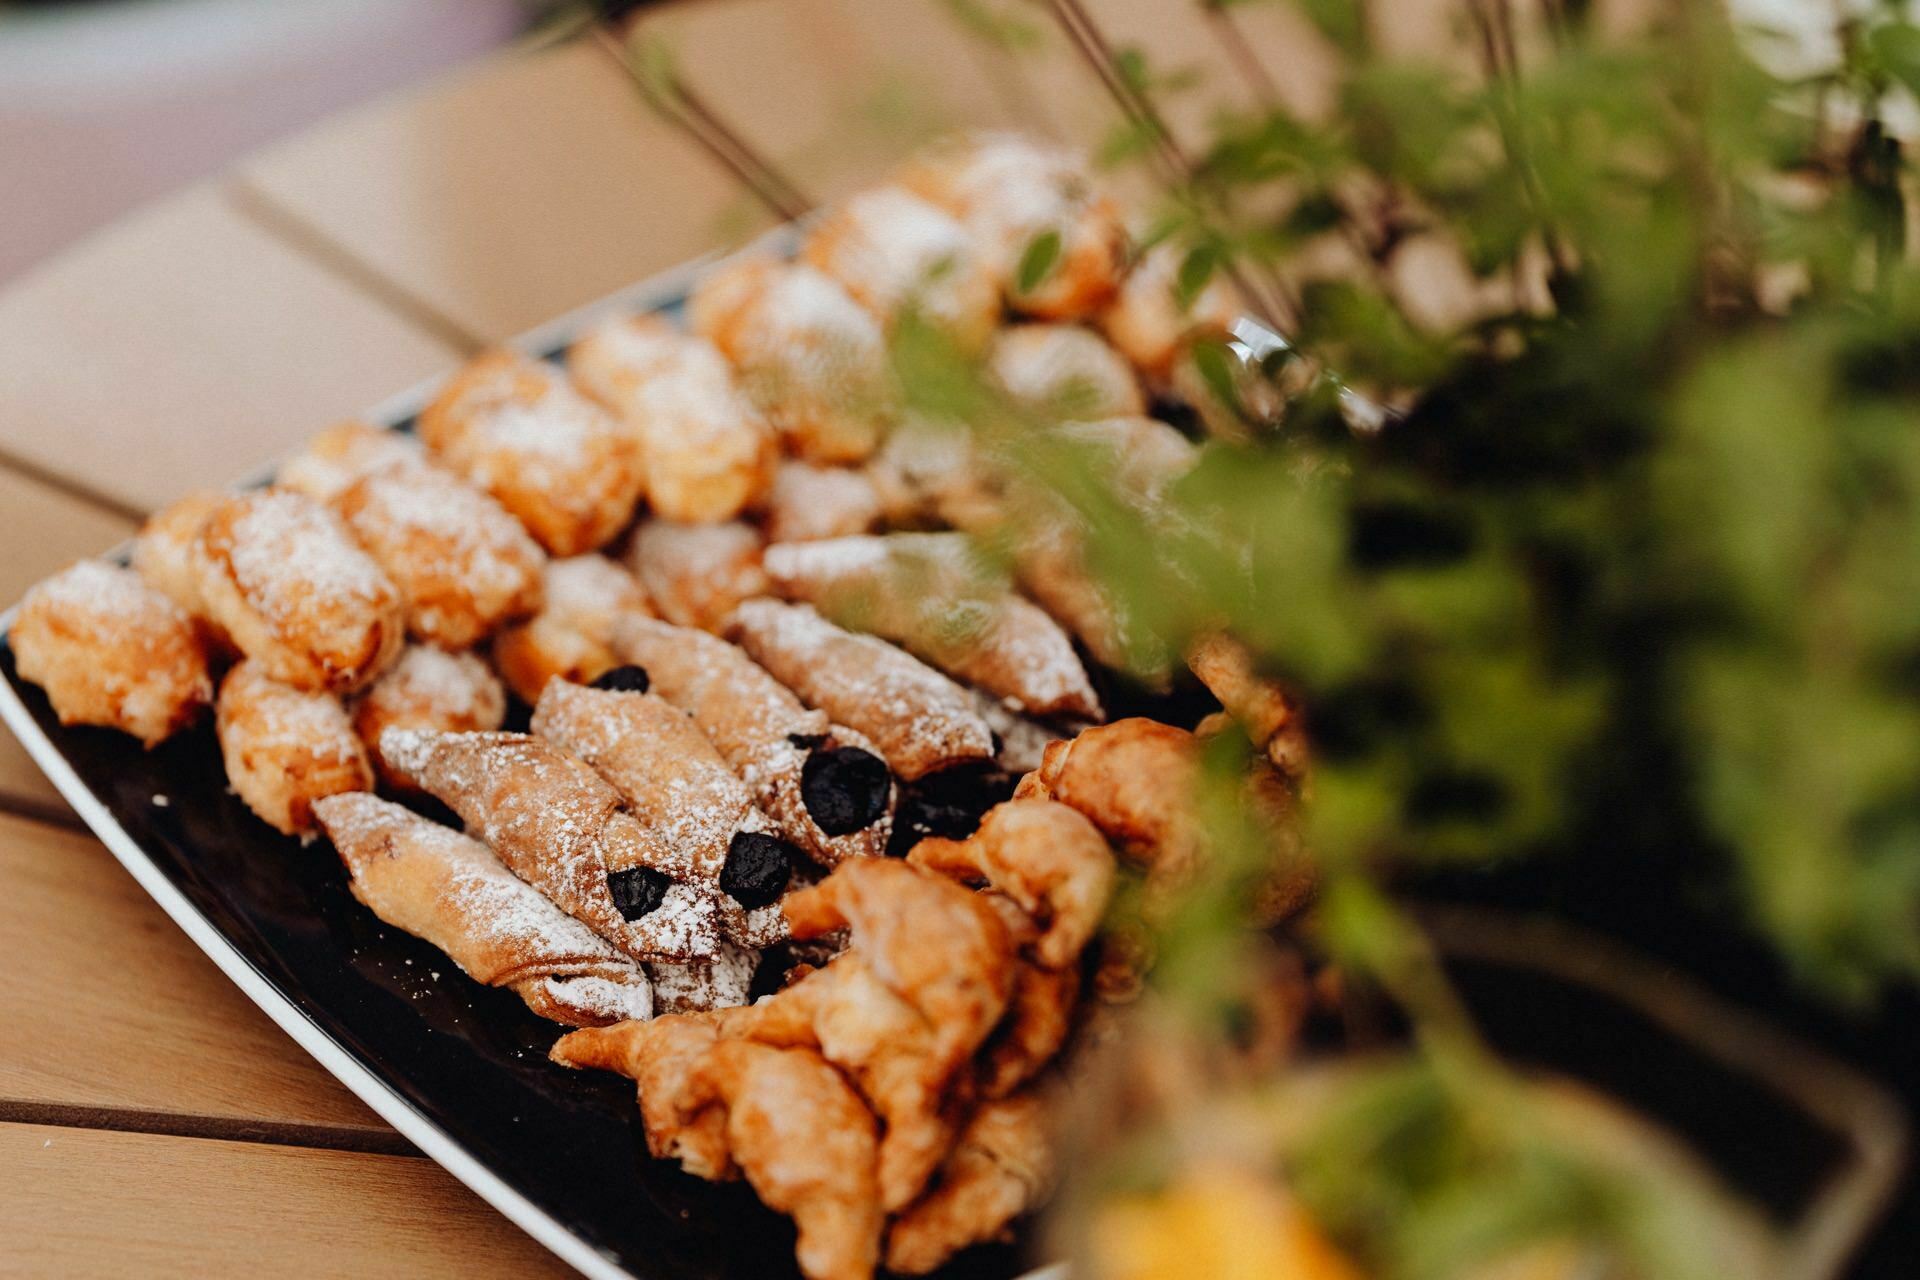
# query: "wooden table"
152,1121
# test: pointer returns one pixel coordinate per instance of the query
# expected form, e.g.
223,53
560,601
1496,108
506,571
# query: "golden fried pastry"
341,455
1046,857
1010,192
1022,741
285,748
552,457
111,650
1062,372
1038,1020
895,252
1148,325
696,818
1002,1166
1260,706
708,452
427,688
809,502
920,720
464,565
452,891
930,473
569,637
563,829
821,783
782,1117
1135,780
284,578
696,573
932,594
163,551
810,356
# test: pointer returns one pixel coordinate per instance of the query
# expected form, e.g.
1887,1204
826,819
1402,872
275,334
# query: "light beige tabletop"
152,1121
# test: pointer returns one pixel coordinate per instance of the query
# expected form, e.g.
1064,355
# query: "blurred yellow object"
1219,1221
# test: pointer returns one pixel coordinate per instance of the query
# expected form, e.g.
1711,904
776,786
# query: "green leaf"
1037,262
1196,270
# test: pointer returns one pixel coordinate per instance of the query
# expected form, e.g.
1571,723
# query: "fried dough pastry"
284,748
811,358
282,576
341,455
1064,373
569,638
452,891
708,453
463,564
782,1118
808,502
930,594
1147,323
1134,779
552,457
1002,1166
920,720
697,819
111,650
1047,858
1258,704
1039,1015
821,783
163,553
562,828
696,573
702,986
1010,191
894,251
427,688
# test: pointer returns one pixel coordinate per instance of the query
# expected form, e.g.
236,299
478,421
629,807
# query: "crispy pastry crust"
696,574
163,551
809,502
111,650
893,251
284,578
758,726
556,460
452,891
427,688
1002,1166
342,454
284,748
569,638
920,720
463,563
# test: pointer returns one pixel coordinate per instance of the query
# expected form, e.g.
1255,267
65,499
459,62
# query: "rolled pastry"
1063,373
285,748
1147,323
552,457
569,637
894,252
929,593
111,650
451,890
342,454
823,784
811,357
808,502
1002,1166
709,454
1010,191
701,986
563,829
163,550
463,563
696,573
696,818
283,577
427,688
920,720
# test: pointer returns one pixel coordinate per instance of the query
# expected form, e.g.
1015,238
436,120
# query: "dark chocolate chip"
627,679
807,741
845,789
637,891
758,868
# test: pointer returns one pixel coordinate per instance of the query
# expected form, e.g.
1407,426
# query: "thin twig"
1232,38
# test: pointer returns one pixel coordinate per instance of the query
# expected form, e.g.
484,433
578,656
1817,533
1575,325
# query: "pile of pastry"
738,588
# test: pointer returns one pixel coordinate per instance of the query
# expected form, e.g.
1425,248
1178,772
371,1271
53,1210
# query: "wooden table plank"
183,347
77,1202
508,194
108,1007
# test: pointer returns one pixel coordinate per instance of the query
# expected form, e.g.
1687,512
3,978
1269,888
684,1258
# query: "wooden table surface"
152,1121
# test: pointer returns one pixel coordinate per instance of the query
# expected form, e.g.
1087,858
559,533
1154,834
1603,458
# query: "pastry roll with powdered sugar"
427,688
823,784
930,593
285,748
920,720
895,252
563,829
808,502
696,573
450,890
